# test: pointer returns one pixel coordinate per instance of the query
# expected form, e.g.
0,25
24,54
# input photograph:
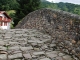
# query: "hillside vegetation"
73,8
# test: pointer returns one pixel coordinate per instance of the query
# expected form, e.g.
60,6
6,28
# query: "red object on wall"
0,17
1,23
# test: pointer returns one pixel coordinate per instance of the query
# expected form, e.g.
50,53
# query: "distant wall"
64,27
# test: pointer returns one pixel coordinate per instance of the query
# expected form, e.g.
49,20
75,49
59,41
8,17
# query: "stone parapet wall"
64,27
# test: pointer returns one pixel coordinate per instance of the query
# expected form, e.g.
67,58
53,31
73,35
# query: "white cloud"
69,1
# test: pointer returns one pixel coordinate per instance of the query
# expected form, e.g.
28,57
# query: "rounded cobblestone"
28,44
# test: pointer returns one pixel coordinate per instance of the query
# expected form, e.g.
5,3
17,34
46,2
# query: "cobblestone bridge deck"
28,44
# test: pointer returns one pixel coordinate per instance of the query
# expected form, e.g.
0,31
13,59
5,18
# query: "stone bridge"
62,26
29,44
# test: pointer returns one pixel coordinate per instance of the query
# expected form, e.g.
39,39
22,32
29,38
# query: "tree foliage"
73,8
8,4
25,7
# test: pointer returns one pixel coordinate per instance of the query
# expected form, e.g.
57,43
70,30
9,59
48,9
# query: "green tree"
73,8
25,7
8,4
62,6
77,11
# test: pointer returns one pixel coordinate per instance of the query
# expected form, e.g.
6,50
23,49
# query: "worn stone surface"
29,44
64,27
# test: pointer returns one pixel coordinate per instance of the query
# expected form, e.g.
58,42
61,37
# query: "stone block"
67,57
45,59
14,56
27,56
26,48
39,53
3,56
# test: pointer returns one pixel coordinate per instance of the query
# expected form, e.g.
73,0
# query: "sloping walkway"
28,44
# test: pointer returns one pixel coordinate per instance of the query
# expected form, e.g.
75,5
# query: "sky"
69,1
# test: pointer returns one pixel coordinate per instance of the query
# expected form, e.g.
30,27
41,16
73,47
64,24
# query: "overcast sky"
70,1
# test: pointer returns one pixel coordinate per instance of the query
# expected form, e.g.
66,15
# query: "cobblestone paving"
28,44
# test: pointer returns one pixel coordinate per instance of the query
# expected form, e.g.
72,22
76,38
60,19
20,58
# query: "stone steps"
29,44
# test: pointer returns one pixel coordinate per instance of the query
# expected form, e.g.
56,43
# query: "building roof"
3,12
